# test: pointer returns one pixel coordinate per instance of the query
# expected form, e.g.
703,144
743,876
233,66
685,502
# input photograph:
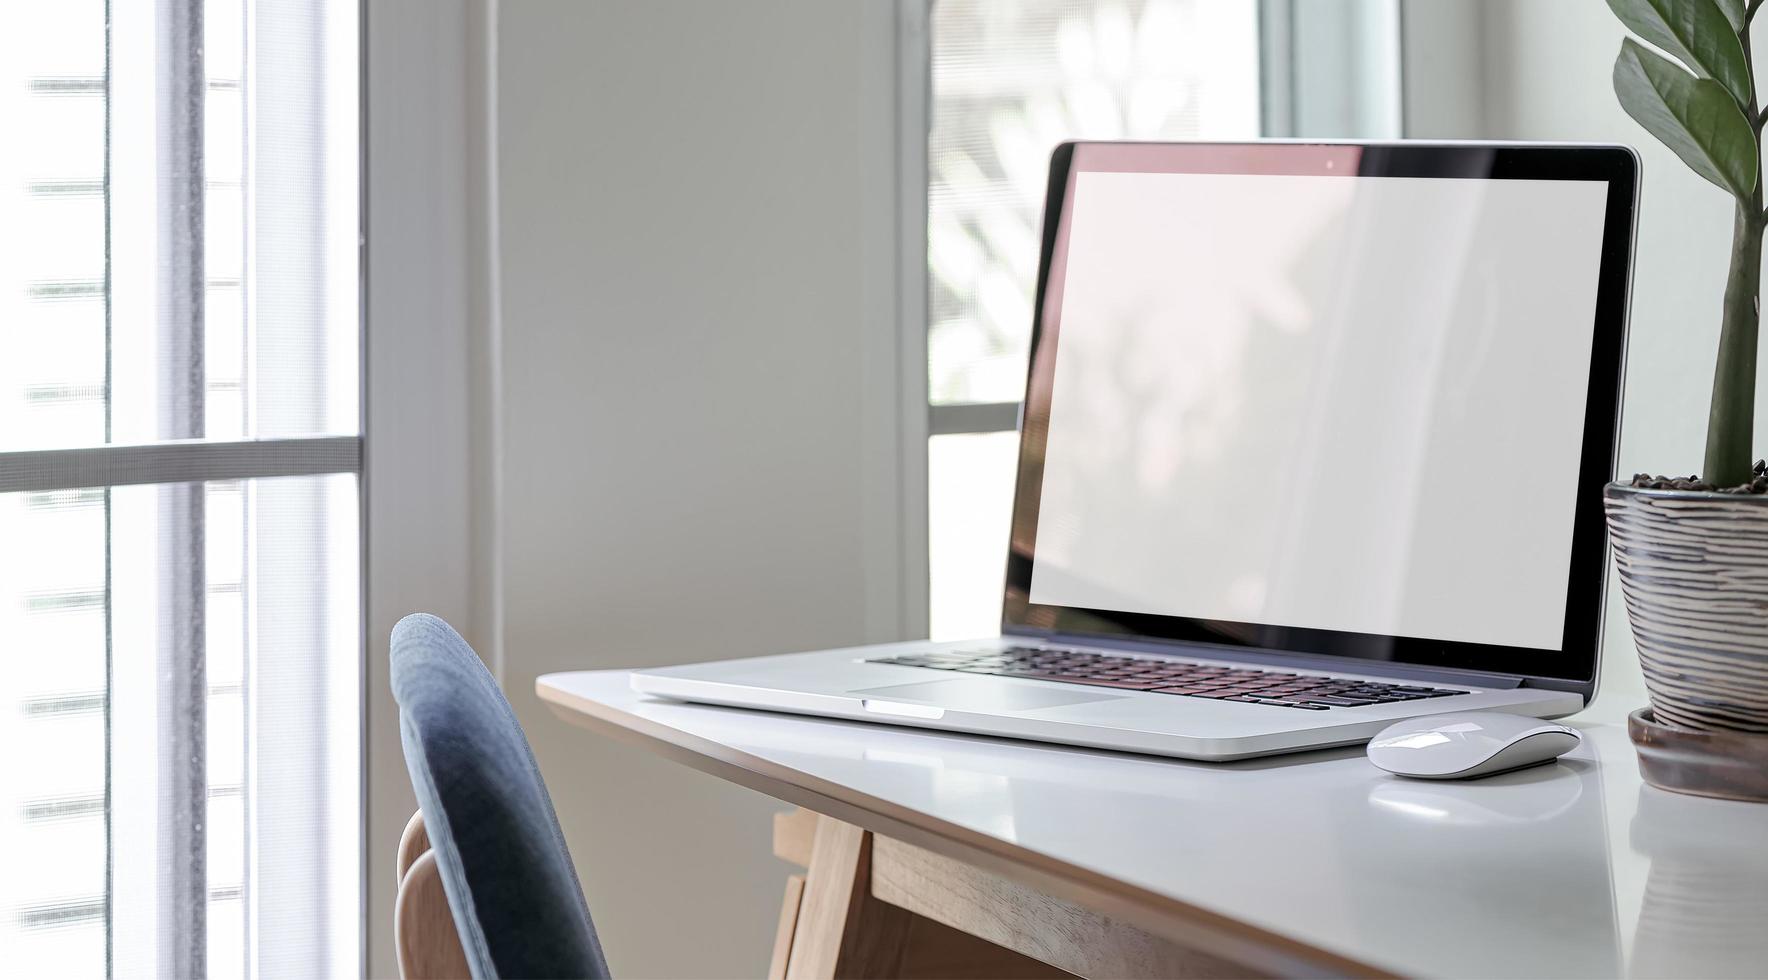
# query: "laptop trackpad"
977,694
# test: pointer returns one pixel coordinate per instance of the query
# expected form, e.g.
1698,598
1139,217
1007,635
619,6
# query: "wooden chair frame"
424,935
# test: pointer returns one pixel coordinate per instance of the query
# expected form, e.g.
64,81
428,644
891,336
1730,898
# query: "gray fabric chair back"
510,883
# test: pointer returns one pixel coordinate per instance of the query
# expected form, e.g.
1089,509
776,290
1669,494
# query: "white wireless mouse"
1468,744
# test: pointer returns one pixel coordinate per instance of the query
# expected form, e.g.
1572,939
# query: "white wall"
1540,70
690,223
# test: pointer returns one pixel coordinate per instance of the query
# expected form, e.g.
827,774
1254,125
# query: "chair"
487,887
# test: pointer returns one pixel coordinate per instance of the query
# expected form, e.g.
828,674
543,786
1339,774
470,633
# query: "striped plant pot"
1694,570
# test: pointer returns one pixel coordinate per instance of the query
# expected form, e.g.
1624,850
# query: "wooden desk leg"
832,925
841,930
782,944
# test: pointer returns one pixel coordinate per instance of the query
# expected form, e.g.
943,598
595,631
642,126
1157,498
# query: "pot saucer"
1723,764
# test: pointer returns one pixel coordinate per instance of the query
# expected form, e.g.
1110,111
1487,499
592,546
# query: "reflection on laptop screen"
1316,401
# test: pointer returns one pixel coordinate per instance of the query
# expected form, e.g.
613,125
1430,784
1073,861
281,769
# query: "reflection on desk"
1541,872
1707,888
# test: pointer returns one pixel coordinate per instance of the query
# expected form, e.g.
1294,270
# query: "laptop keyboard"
1214,681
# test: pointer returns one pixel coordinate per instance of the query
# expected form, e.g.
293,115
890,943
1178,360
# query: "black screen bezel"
1576,660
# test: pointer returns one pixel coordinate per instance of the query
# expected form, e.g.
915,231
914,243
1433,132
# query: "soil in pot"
1757,484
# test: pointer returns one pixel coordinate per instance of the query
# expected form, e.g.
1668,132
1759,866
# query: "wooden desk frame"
871,906
893,892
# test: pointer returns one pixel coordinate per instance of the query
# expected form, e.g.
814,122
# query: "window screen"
179,440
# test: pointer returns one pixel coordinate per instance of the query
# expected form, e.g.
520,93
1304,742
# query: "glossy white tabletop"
1570,869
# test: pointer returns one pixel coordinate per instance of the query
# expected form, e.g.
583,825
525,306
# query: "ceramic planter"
1694,570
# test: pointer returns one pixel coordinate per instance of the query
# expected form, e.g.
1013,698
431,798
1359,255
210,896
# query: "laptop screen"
1304,398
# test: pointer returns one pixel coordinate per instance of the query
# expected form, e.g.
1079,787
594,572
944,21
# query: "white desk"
1314,863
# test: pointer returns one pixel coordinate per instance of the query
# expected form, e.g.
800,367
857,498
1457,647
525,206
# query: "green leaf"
1698,33
1734,12
1693,116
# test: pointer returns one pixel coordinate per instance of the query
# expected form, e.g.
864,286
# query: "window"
179,441
1011,78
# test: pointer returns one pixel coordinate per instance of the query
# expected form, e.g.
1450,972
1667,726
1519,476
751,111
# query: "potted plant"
1693,552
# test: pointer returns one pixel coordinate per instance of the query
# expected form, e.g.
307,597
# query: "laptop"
1313,440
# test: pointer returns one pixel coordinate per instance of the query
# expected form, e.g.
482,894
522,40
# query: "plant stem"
1731,417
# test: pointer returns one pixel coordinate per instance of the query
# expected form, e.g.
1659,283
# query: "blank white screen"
1346,403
